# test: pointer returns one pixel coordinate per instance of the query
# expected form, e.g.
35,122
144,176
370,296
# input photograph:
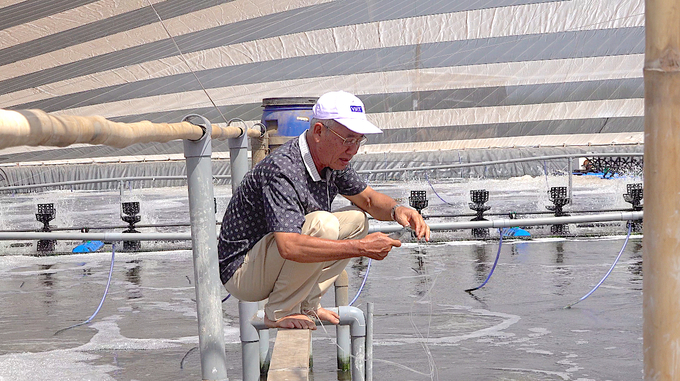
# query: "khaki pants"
293,287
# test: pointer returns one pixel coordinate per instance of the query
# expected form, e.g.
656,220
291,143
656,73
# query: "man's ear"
317,128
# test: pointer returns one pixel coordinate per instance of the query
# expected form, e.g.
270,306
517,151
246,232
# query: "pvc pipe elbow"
354,317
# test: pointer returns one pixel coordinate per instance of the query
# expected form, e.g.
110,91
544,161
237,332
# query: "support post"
265,353
570,167
369,341
351,316
250,339
661,259
238,158
204,247
342,331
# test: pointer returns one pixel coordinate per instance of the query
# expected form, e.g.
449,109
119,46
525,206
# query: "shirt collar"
307,157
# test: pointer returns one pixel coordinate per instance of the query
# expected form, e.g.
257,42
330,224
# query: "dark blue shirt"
275,196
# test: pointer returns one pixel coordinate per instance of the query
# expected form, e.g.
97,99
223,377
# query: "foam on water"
563,375
496,330
67,364
75,363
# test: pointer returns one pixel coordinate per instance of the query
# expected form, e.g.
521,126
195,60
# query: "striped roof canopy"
433,74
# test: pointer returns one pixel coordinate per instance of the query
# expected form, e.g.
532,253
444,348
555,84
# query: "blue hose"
498,255
368,268
630,229
101,303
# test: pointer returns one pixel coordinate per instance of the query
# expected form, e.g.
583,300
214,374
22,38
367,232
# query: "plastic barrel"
286,118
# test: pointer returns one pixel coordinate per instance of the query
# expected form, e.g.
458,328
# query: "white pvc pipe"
508,223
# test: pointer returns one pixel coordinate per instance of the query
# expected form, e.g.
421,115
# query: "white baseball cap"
345,109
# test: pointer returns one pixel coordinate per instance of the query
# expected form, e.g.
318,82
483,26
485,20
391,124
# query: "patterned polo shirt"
275,196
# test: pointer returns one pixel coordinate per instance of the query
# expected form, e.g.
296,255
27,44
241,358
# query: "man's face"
335,154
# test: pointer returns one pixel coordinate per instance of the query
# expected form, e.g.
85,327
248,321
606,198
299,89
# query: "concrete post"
661,258
204,246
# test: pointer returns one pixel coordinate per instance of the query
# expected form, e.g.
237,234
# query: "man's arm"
307,249
382,207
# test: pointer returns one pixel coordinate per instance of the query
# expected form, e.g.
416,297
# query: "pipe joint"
204,124
354,317
201,147
263,128
250,321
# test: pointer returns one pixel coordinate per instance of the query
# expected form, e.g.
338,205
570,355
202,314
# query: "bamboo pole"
38,128
661,242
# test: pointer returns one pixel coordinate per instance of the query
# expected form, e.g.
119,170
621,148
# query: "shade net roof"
434,75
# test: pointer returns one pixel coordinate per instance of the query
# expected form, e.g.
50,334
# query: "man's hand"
377,245
410,217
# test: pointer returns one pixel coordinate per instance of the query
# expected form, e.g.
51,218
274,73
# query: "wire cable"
101,303
186,62
435,192
181,363
630,229
500,243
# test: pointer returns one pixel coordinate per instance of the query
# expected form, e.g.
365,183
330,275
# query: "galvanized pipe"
426,216
497,223
204,247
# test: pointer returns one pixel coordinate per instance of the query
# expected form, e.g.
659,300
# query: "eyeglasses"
353,142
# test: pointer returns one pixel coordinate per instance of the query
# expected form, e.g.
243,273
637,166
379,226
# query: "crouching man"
280,240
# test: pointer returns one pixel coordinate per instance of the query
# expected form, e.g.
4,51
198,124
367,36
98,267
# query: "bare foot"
294,321
325,315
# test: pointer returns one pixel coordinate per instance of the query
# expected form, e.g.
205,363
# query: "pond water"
426,326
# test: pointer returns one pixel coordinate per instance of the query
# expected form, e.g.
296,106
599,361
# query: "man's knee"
353,223
362,219
321,224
